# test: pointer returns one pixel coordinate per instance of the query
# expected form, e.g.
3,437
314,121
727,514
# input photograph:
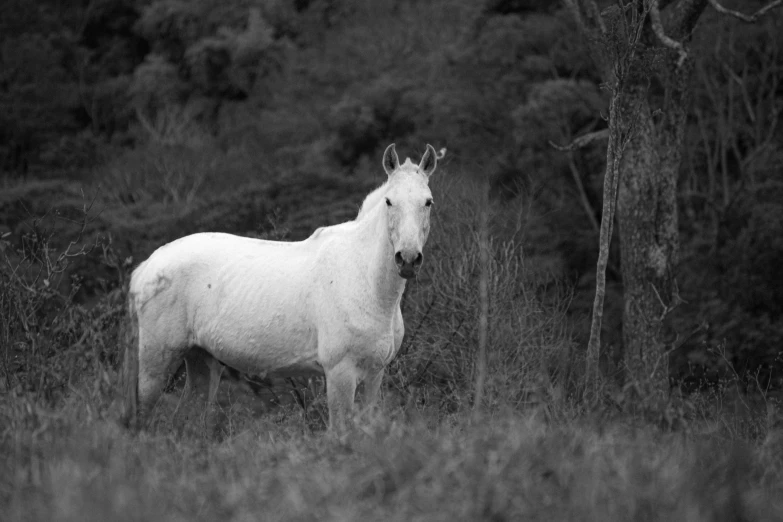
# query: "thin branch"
483,318
614,154
147,125
741,16
657,27
583,194
581,141
587,15
683,16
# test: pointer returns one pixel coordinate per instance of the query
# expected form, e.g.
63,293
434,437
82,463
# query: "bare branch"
741,16
483,318
614,153
587,15
581,141
583,194
657,27
683,16
147,125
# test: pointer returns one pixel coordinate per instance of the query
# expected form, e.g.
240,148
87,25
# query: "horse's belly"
262,347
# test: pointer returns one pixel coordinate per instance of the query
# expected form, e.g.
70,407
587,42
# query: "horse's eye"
428,203
388,203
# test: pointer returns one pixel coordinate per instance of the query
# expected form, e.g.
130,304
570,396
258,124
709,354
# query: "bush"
532,356
736,309
387,110
48,342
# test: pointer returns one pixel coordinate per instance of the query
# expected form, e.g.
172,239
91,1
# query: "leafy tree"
203,54
37,97
65,68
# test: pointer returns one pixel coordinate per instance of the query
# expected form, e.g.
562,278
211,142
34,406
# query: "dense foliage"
267,118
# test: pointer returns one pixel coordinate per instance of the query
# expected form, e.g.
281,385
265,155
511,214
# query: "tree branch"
587,15
682,17
657,27
583,194
590,21
581,141
741,16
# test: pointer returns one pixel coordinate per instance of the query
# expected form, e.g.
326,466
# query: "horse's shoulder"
325,233
316,234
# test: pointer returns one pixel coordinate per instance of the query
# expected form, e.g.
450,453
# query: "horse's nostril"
418,260
398,258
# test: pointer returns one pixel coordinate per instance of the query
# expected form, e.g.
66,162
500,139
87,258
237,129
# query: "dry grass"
70,464
532,357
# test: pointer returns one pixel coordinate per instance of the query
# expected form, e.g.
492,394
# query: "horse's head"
408,204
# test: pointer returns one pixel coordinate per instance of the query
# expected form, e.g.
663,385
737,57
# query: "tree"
203,55
641,49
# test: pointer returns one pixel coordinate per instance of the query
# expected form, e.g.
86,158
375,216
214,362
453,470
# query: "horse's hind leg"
196,372
156,364
203,378
215,371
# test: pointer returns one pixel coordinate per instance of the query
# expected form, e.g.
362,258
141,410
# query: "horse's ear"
429,161
390,160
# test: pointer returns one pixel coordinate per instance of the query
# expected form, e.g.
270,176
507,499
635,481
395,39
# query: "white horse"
328,305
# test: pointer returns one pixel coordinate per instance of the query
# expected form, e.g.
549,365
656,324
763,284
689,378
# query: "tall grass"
175,176
507,467
532,357
533,453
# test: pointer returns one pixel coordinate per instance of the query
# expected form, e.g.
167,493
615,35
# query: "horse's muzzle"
407,265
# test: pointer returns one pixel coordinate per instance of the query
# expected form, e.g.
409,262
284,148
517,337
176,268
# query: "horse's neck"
378,258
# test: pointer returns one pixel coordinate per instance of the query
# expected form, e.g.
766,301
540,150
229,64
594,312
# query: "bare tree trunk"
618,73
647,211
647,198
649,241
648,166
614,152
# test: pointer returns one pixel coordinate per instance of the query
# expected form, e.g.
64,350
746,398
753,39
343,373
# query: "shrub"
48,342
384,111
532,360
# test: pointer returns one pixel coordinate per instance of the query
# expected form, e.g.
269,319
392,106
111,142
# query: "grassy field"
408,463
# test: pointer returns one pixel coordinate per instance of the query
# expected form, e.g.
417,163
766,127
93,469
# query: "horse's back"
232,266
177,263
246,301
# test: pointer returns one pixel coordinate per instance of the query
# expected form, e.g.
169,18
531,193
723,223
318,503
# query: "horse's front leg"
372,390
340,393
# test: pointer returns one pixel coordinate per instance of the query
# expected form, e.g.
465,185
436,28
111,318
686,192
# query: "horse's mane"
374,197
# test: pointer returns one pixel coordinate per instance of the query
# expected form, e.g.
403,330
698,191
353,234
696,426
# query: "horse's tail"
130,373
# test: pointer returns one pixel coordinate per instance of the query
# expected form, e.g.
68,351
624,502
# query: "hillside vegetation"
128,123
